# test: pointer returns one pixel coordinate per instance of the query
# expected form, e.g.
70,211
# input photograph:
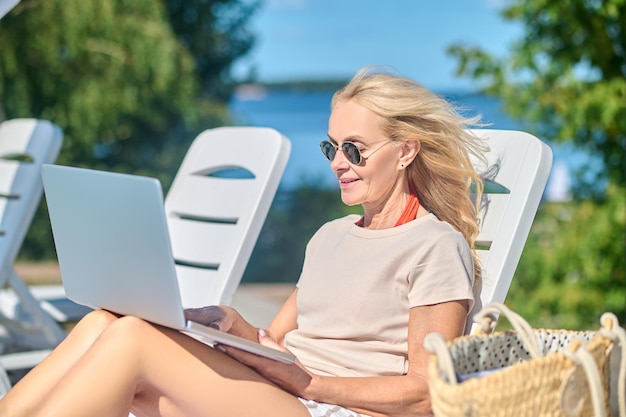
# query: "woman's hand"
291,377
222,318
217,317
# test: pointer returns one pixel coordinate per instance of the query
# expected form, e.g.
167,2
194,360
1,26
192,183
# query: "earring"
401,165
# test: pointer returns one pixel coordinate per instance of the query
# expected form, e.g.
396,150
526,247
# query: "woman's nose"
339,162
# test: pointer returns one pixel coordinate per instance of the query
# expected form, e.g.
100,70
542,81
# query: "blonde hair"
442,173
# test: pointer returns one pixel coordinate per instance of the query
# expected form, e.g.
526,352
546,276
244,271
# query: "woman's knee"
97,320
129,331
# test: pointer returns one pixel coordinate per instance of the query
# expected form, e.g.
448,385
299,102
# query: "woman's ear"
409,151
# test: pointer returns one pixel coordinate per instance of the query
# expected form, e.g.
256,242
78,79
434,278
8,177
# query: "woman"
371,288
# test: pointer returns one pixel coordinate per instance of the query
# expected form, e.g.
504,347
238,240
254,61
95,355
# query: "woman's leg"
162,372
36,385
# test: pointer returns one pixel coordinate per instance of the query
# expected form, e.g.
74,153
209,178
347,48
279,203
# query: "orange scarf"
410,211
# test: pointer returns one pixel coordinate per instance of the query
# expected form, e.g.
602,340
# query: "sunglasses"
350,150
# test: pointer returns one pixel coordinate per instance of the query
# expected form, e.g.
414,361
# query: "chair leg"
49,330
5,383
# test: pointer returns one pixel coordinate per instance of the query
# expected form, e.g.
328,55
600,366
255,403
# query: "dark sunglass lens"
328,150
352,152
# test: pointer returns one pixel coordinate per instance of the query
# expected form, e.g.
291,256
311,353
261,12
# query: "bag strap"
612,330
436,344
487,318
583,358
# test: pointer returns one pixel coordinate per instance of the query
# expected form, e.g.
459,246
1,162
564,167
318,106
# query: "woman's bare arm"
286,319
376,396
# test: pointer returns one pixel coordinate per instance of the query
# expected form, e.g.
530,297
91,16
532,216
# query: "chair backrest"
217,205
25,144
518,167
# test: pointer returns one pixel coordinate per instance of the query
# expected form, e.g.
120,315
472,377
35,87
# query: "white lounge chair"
6,6
518,169
25,144
217,205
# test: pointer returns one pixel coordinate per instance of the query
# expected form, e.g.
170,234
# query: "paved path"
259,303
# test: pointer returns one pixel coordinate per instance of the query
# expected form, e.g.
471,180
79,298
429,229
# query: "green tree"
129,82
566,77
573,268
125,80
216,33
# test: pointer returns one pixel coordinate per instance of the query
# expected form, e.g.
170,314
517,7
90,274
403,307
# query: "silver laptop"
113,248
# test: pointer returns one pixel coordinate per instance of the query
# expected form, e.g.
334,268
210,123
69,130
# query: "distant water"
302,116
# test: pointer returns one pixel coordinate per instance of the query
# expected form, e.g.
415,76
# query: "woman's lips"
345,183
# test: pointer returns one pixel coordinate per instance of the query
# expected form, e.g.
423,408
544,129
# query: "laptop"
114,251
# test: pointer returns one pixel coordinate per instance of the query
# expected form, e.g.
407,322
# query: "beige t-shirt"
357,286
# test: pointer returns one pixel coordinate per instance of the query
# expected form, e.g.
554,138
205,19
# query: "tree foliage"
567,75
130,82
216,33
573,268
125,80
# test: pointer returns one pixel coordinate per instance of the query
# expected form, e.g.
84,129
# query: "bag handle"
578,354
583,358
612,330
487,318
435,343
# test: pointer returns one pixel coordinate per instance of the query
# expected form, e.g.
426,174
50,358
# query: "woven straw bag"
525,372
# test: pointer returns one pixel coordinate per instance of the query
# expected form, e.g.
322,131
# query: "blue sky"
313,39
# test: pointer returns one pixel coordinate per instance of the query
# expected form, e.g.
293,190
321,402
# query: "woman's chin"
349,200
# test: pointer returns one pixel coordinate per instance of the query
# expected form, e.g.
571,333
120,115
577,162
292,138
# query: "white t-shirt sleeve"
443,272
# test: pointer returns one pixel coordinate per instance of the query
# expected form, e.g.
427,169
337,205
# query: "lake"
302,116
